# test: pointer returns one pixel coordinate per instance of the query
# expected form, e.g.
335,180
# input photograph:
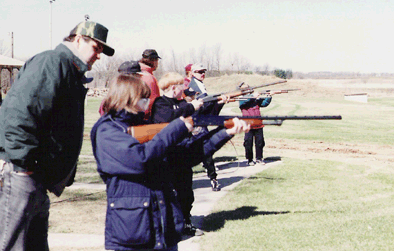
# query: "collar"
124,116
147,68
76,56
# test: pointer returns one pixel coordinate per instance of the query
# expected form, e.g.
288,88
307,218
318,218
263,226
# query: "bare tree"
193,55
234,61
202,54
174,61
105,69
217,50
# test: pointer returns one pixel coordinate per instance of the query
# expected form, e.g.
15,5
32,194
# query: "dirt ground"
368,155
365,154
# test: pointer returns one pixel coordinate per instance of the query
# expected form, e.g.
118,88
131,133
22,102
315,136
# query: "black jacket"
42,117
167,109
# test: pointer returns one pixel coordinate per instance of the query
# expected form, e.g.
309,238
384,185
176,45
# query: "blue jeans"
24,211
174,248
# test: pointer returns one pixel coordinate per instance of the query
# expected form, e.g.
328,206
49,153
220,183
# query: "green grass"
87,171
305,205
91,116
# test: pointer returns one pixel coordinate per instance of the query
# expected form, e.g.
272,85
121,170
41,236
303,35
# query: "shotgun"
239,92
144,133
266,92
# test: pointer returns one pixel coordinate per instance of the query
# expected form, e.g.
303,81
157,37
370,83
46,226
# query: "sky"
301,35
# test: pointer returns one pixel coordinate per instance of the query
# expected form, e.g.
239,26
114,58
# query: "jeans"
209,164
174,248
24,212
258,136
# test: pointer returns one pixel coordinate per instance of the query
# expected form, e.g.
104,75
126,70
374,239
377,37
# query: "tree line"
214,59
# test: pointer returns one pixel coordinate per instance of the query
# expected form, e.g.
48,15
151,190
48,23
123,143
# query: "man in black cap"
41,133
149,63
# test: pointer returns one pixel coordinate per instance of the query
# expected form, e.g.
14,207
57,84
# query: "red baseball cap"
188,67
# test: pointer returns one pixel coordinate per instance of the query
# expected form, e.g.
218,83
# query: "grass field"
340,200
306,205
333,190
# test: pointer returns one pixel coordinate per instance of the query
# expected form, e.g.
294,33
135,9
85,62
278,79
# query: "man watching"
41,133
149,63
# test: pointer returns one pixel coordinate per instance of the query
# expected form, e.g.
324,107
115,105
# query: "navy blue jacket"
142,210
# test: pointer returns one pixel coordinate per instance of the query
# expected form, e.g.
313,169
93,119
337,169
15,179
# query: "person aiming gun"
197,88
251,107
143,211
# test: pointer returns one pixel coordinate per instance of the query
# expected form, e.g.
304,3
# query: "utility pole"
50,23
12,44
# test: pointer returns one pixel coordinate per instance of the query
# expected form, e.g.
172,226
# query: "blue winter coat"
142,210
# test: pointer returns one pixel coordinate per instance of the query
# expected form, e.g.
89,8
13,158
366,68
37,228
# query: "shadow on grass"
272,159
225,158
266,178
215,221
232,162
232,165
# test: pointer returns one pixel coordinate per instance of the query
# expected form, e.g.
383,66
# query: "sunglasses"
200,72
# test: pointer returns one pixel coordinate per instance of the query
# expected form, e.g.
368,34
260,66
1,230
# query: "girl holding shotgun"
143,211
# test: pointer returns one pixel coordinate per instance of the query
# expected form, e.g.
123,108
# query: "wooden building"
9,64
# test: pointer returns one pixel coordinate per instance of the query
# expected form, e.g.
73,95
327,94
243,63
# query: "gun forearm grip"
144,133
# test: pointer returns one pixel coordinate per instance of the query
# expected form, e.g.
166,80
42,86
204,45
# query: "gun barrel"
201,120
322,117
239,92
269,84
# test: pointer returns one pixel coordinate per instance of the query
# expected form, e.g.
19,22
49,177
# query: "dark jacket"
142,210
42,117
208,108
167,109
194,148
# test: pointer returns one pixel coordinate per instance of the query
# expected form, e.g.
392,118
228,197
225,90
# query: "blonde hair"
169,79
124,92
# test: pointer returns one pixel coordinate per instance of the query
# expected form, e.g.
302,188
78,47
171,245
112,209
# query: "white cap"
198,67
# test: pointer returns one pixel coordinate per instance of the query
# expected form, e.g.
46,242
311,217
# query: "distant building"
359,97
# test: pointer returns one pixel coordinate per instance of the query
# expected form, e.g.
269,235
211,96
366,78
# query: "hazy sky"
306,36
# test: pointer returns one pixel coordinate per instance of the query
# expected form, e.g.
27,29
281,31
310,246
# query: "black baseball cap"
151,54
129,67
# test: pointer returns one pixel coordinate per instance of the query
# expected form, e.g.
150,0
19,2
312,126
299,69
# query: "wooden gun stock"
144,133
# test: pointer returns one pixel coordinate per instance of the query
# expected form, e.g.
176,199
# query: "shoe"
259,161
215,185
191,230
251,163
